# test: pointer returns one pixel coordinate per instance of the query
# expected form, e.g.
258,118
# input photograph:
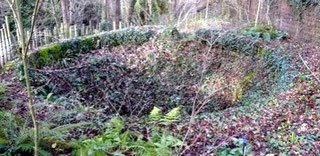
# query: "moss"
247,79
264,52
43,57
238,91
71,48
47,55
87,44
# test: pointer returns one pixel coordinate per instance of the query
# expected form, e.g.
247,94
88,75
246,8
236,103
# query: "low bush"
230,41
264,32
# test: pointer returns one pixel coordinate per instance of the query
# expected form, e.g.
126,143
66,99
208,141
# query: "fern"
25,147
3,91
44,153
17,137
173,115
67,127
155,114
118,140
3,137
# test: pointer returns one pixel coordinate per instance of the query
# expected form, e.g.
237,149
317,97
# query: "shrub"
171,34
264,32
128,36
230,41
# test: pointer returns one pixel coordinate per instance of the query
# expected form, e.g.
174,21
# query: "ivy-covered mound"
231,75
172,69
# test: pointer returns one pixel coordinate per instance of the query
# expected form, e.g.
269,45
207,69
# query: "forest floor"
287,122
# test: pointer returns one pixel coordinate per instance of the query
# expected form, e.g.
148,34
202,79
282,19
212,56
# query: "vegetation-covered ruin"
163,90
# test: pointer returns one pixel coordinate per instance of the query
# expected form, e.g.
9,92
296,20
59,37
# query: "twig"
194,111
194,141
57,70
312,73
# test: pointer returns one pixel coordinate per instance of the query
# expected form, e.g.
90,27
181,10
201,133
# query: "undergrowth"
232,76
119,139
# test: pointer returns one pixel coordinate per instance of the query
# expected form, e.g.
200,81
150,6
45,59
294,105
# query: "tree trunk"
65,12
203,5
174,13
106,10
55,14
23,46
131,11
66,17
258,14
117,13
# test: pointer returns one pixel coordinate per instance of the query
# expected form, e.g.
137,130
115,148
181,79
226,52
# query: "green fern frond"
26,147
3,141
67,127
173,115
2,133
43,152
155,114
115,123
3,137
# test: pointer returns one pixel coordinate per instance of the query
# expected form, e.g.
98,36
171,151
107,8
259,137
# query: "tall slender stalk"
258,13
24,44
207,11
55,14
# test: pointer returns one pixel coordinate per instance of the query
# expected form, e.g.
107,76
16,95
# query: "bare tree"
203,5
258,13
131,10
106,10
24,43
54,12
207,10
117,13
65,12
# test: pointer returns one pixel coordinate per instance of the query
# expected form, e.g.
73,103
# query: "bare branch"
306,65
33,23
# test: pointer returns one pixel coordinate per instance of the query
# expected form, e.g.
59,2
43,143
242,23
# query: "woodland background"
299,18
